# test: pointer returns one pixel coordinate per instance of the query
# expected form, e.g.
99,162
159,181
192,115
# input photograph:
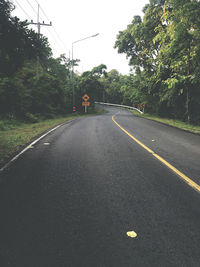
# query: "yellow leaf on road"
131,234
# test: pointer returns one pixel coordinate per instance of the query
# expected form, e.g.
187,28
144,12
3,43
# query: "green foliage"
89,83
112,85
100,70
23,94
164,50
26,96
17,42
31,118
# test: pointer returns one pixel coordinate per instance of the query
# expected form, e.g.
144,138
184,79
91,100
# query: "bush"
31,118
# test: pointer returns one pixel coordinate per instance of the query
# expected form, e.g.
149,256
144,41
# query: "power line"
37,14
42,10
39,26
59,38
56,40
32,7
44,13
55,36
22,9
54,30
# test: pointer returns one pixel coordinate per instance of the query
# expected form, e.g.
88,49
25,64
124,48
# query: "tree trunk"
187,88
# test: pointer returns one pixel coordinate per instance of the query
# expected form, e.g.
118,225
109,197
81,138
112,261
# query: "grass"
15,134
175,123
100,111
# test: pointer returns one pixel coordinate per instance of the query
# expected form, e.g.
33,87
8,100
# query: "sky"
77,19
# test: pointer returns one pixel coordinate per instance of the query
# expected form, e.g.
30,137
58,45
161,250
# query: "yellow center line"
186,179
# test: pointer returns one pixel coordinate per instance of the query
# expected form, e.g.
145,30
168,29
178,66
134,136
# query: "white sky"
77,19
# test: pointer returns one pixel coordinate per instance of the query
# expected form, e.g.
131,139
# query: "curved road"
71,199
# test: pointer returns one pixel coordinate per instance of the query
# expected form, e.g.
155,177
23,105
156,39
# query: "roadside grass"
99,111
175,123
15,134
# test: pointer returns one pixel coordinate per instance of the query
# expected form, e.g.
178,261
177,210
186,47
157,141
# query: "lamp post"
73,93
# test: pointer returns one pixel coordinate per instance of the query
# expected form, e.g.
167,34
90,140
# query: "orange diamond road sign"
85,97
85,104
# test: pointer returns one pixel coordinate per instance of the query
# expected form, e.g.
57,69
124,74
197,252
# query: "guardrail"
120,106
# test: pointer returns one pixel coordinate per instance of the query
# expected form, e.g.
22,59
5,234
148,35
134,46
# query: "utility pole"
73,91
39,24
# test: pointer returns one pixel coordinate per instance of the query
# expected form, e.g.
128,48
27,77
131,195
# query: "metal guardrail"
120,106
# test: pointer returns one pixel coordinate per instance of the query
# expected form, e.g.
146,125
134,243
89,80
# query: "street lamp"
73,94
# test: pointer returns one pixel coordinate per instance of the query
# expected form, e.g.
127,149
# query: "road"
71,199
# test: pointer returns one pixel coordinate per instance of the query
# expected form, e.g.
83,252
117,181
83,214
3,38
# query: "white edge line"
26,148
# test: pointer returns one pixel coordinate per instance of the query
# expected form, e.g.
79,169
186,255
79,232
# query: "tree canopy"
17,42
163,47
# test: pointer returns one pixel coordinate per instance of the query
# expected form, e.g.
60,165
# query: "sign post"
85,103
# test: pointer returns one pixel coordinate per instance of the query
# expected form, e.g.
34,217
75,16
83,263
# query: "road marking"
132,234
46,144
185,178
28,147
31,145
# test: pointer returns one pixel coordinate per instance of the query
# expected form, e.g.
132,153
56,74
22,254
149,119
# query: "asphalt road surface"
71,199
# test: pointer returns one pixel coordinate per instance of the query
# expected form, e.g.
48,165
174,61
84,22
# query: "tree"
137,41
100,71
112,85
164,50
22,94
17,42
179,51
59,67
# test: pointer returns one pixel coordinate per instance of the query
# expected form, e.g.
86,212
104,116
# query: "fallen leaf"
131,234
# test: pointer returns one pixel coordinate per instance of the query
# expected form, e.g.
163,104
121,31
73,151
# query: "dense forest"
163,48
24,93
